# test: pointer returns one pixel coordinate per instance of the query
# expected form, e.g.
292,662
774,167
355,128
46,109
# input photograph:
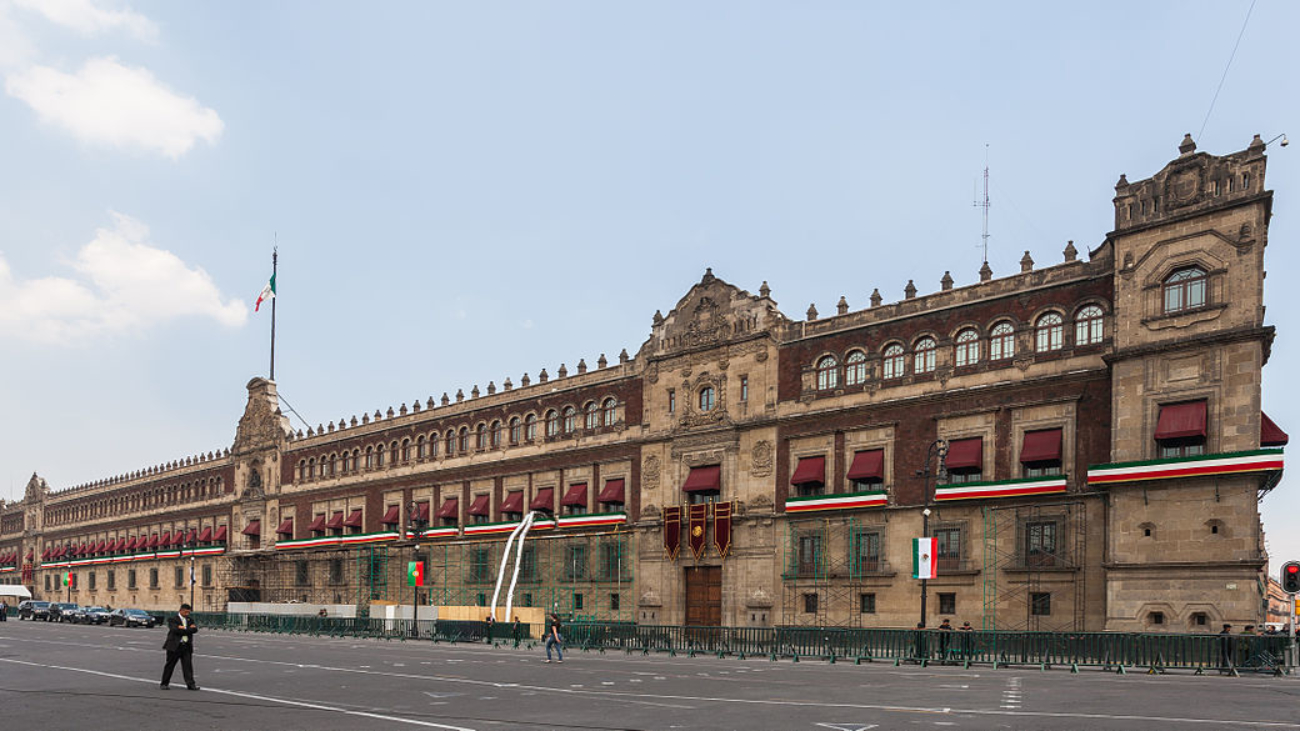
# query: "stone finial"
311,432
543,377
429,404
601,362
1026,263
946,283
415,406
460,395
582,366
876,299
473,392
445,399
378,415
562,372
842,307
523,382
812,312
985,272
764,290
331,427
659,318
365,418
1071,253
623,356
354,420
507,384
1122,184
909,292
390,412
300,435
708,276
492,387
1188,146
402,411
1257,144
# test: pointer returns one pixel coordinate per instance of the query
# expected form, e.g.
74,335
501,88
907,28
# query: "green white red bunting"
923,558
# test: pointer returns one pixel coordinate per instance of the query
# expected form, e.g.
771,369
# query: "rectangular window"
153,578
810,603
112,580
481,599
867,603
1040,543
810,555
612,561
207,576
528,599
301,575
744,388
480,565
949,548
613,602
575,562
947,603
1040,604
90,577
180,577
577,602
865,553
47,582
528,564
336,570
672,401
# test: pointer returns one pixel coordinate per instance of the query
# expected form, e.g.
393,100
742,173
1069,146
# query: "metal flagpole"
275,255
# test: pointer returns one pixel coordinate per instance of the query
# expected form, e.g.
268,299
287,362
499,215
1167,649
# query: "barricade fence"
1117,651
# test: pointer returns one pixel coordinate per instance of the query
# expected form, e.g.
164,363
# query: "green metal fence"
1119,652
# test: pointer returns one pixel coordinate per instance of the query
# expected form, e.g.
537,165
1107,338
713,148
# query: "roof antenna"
985,205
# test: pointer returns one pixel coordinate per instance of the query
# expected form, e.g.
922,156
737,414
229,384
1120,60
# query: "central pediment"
712,313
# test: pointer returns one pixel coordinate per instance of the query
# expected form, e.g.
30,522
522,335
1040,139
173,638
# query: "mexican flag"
923,558
268,293
415,573
67,578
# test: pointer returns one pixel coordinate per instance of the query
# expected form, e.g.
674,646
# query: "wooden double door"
704,596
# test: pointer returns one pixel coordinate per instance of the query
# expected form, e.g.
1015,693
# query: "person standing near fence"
1226,649
180,648
517,631
554,637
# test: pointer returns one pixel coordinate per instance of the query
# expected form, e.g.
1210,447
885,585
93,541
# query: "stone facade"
1062,498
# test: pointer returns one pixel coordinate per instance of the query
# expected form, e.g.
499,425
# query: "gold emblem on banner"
697,531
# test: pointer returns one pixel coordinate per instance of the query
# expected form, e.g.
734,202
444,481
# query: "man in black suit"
180,646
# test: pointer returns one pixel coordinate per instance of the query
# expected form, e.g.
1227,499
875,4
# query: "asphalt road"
86,677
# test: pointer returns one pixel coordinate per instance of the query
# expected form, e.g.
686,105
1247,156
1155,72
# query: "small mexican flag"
415,573
923,564
67,578
268,293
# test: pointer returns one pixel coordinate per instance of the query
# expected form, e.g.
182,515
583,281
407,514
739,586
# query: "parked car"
34,609
131,618
96,615
63,612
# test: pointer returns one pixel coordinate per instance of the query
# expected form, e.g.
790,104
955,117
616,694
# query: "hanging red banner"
672,531
722,528
699,518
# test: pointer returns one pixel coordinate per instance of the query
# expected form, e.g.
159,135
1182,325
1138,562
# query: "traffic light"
1291,577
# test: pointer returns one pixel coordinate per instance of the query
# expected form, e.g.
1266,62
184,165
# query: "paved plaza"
64,677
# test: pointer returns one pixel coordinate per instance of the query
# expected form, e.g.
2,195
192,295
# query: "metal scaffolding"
829,569
1034,577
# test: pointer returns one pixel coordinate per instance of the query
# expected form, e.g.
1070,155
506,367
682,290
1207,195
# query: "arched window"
608,417
494,434
356,457
828,373
855,368
923,359
1088,326
706,398
451,442
462,444
334,459
379,456
570,419
420,451
592,415
1184,290
552,423
516,431
968,347
433,445
1048,332
1002,342
302,470
480,437
370,458
393,453
406,450
893,361
530,427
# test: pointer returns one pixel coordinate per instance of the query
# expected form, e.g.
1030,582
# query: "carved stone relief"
761,459
650,473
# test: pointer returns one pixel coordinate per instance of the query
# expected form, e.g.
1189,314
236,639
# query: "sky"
467,192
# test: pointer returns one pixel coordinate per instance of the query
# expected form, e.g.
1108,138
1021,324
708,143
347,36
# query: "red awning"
1181,421
422,511
810,470
254,528
285,528
544,500
868,465
219,536
450,508
1041,446
45,555
101,547
153,541
393,516
482,505
205,535
336,520
354,520
130,544
193,537
575,495
612,492
120,545
704,479
965,453
178,538
514,502
317,523
1269,433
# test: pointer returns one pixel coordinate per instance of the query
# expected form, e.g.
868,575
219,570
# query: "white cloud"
15,48
89,19
125,285
108,103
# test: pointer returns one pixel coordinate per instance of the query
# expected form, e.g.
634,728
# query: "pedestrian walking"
554,637
180,648
517,631
1227,648
487,628
4,612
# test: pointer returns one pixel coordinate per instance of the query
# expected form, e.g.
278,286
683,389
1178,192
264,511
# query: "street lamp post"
190,543
412,514
938,450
